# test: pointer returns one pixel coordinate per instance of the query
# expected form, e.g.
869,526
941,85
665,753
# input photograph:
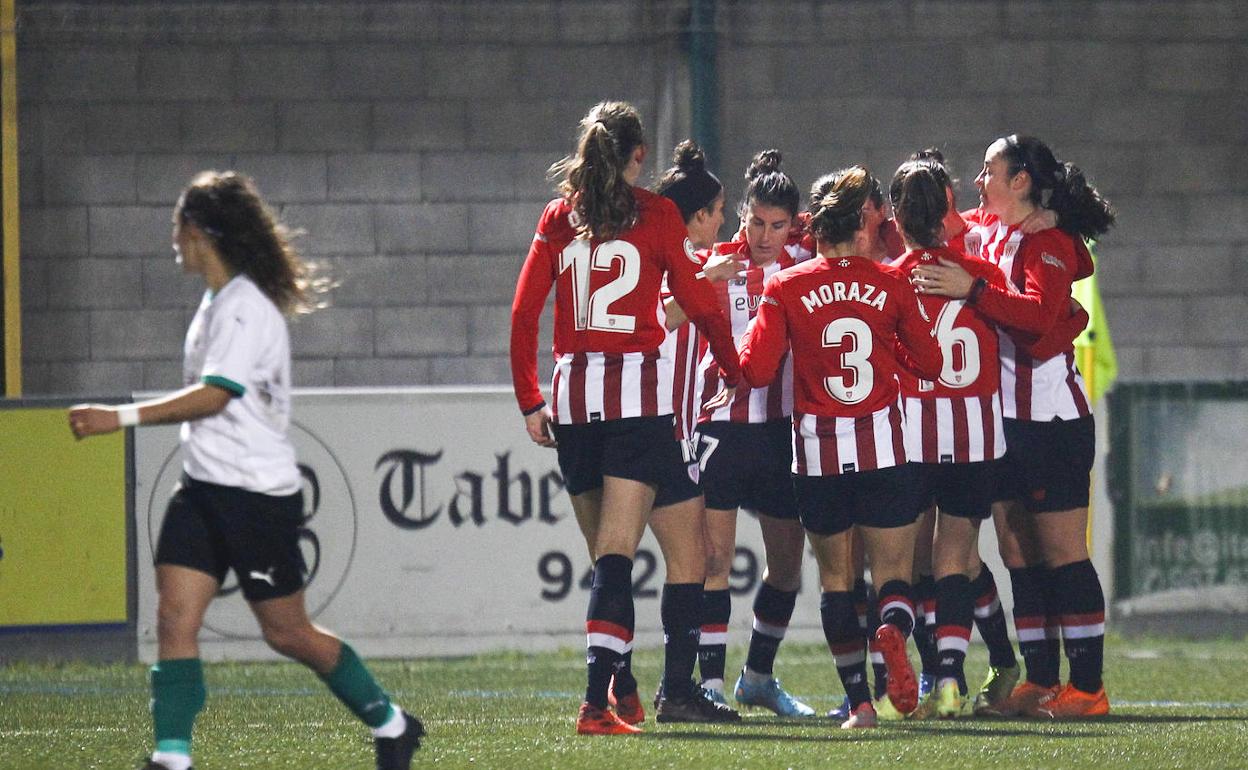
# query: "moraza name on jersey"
839,291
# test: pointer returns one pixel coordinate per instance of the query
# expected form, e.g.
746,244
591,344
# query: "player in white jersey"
1048,422
239,504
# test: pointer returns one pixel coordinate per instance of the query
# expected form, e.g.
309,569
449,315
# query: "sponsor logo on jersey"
1049,259
849,467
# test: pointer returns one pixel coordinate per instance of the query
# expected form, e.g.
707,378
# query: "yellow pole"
9,197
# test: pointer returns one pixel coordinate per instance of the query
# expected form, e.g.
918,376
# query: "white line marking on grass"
1178,704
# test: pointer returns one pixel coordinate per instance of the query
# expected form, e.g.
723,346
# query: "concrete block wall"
409,140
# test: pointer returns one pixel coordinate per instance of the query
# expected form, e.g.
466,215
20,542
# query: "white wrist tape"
128,415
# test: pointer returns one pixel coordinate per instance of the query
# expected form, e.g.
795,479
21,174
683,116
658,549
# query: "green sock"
351,682
177,696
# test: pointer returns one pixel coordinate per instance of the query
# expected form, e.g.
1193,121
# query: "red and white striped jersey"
739,298
684,347
1039,269
607,327
957,416
826,446
846,320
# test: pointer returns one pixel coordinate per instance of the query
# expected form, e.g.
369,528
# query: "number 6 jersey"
607,327
955,417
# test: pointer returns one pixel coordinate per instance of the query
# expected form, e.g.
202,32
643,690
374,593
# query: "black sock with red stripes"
608,624
1081,603
953,627
713,647
1029,588
681,611
925,632
846,642
990,620
773,609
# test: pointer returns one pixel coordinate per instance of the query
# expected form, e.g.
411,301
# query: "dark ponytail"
592,180
687,182
226,206
1058,186
767,185
919,204
836,202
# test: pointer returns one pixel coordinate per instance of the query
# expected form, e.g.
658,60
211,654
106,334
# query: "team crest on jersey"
973,242
689,252
1049,259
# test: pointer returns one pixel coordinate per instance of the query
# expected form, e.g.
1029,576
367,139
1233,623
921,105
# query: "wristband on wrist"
128,415
977,288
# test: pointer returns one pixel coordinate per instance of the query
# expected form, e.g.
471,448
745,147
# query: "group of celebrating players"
875,386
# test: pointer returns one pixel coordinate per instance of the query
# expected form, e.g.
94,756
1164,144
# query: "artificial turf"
1175,704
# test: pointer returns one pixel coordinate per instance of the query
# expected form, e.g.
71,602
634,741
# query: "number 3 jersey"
955,417
847,320
608,331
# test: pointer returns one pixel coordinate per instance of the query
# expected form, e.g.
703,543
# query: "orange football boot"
1027,699
1073,703
595,721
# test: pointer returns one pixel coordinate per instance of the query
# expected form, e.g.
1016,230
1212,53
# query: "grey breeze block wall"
410,140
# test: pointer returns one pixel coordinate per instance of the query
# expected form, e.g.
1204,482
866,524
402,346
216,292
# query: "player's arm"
698,300
1062,336
716,268
536,277
917,351
766,340
193,403
1046,288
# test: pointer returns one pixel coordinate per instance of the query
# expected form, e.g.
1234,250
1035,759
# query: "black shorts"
965,490
1048,465
882,499
639,448
213,529
748,465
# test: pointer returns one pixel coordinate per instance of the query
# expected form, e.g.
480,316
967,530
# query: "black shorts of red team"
748,465
883,499
1048,465
965,490
213,528
638,448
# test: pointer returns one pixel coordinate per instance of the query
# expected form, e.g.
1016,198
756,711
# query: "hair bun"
929,153
766,162
688,157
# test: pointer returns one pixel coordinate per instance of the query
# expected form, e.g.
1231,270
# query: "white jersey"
238,341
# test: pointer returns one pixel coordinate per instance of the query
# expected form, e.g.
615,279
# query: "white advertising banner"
433,527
